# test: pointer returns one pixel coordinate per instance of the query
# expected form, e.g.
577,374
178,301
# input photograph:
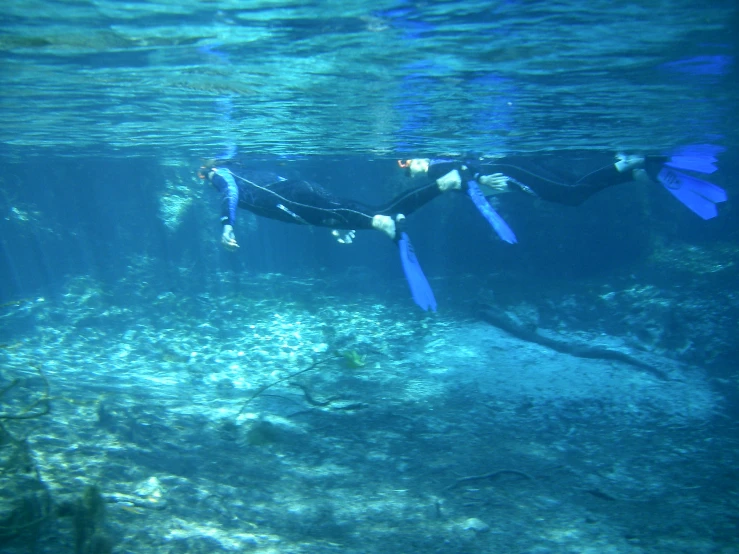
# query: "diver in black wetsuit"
306,203
553,181
529,175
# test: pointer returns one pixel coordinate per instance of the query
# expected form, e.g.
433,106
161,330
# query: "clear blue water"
182,79
575,392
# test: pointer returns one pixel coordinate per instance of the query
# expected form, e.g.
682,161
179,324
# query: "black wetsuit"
303,202
545,178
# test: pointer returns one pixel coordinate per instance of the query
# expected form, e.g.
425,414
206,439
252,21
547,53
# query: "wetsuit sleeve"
226,186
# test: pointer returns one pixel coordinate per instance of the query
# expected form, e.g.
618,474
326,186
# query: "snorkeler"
306,203
553,184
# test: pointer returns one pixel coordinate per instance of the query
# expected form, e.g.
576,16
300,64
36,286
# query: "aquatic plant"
24,518
261,390
38,407
262,433
30,500
88,522
352,359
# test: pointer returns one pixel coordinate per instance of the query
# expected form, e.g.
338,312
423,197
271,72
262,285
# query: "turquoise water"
576,392
179,78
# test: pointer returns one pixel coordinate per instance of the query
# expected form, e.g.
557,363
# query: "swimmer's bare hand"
228,240
497,182
344,237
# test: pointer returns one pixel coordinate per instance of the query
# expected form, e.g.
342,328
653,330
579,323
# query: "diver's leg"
411,200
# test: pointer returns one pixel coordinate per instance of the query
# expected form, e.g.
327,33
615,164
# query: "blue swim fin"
698,195
487,211
420,288
695,157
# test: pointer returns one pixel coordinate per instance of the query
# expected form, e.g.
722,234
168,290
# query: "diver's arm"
449,174
224,182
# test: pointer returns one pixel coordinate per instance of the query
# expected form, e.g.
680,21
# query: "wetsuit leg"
409,201
556,187
306,203
359,216
341,213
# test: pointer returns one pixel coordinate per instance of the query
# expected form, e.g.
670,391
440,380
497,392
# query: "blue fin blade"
691,163
698,195
698,150
420,288
487,211
695,157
